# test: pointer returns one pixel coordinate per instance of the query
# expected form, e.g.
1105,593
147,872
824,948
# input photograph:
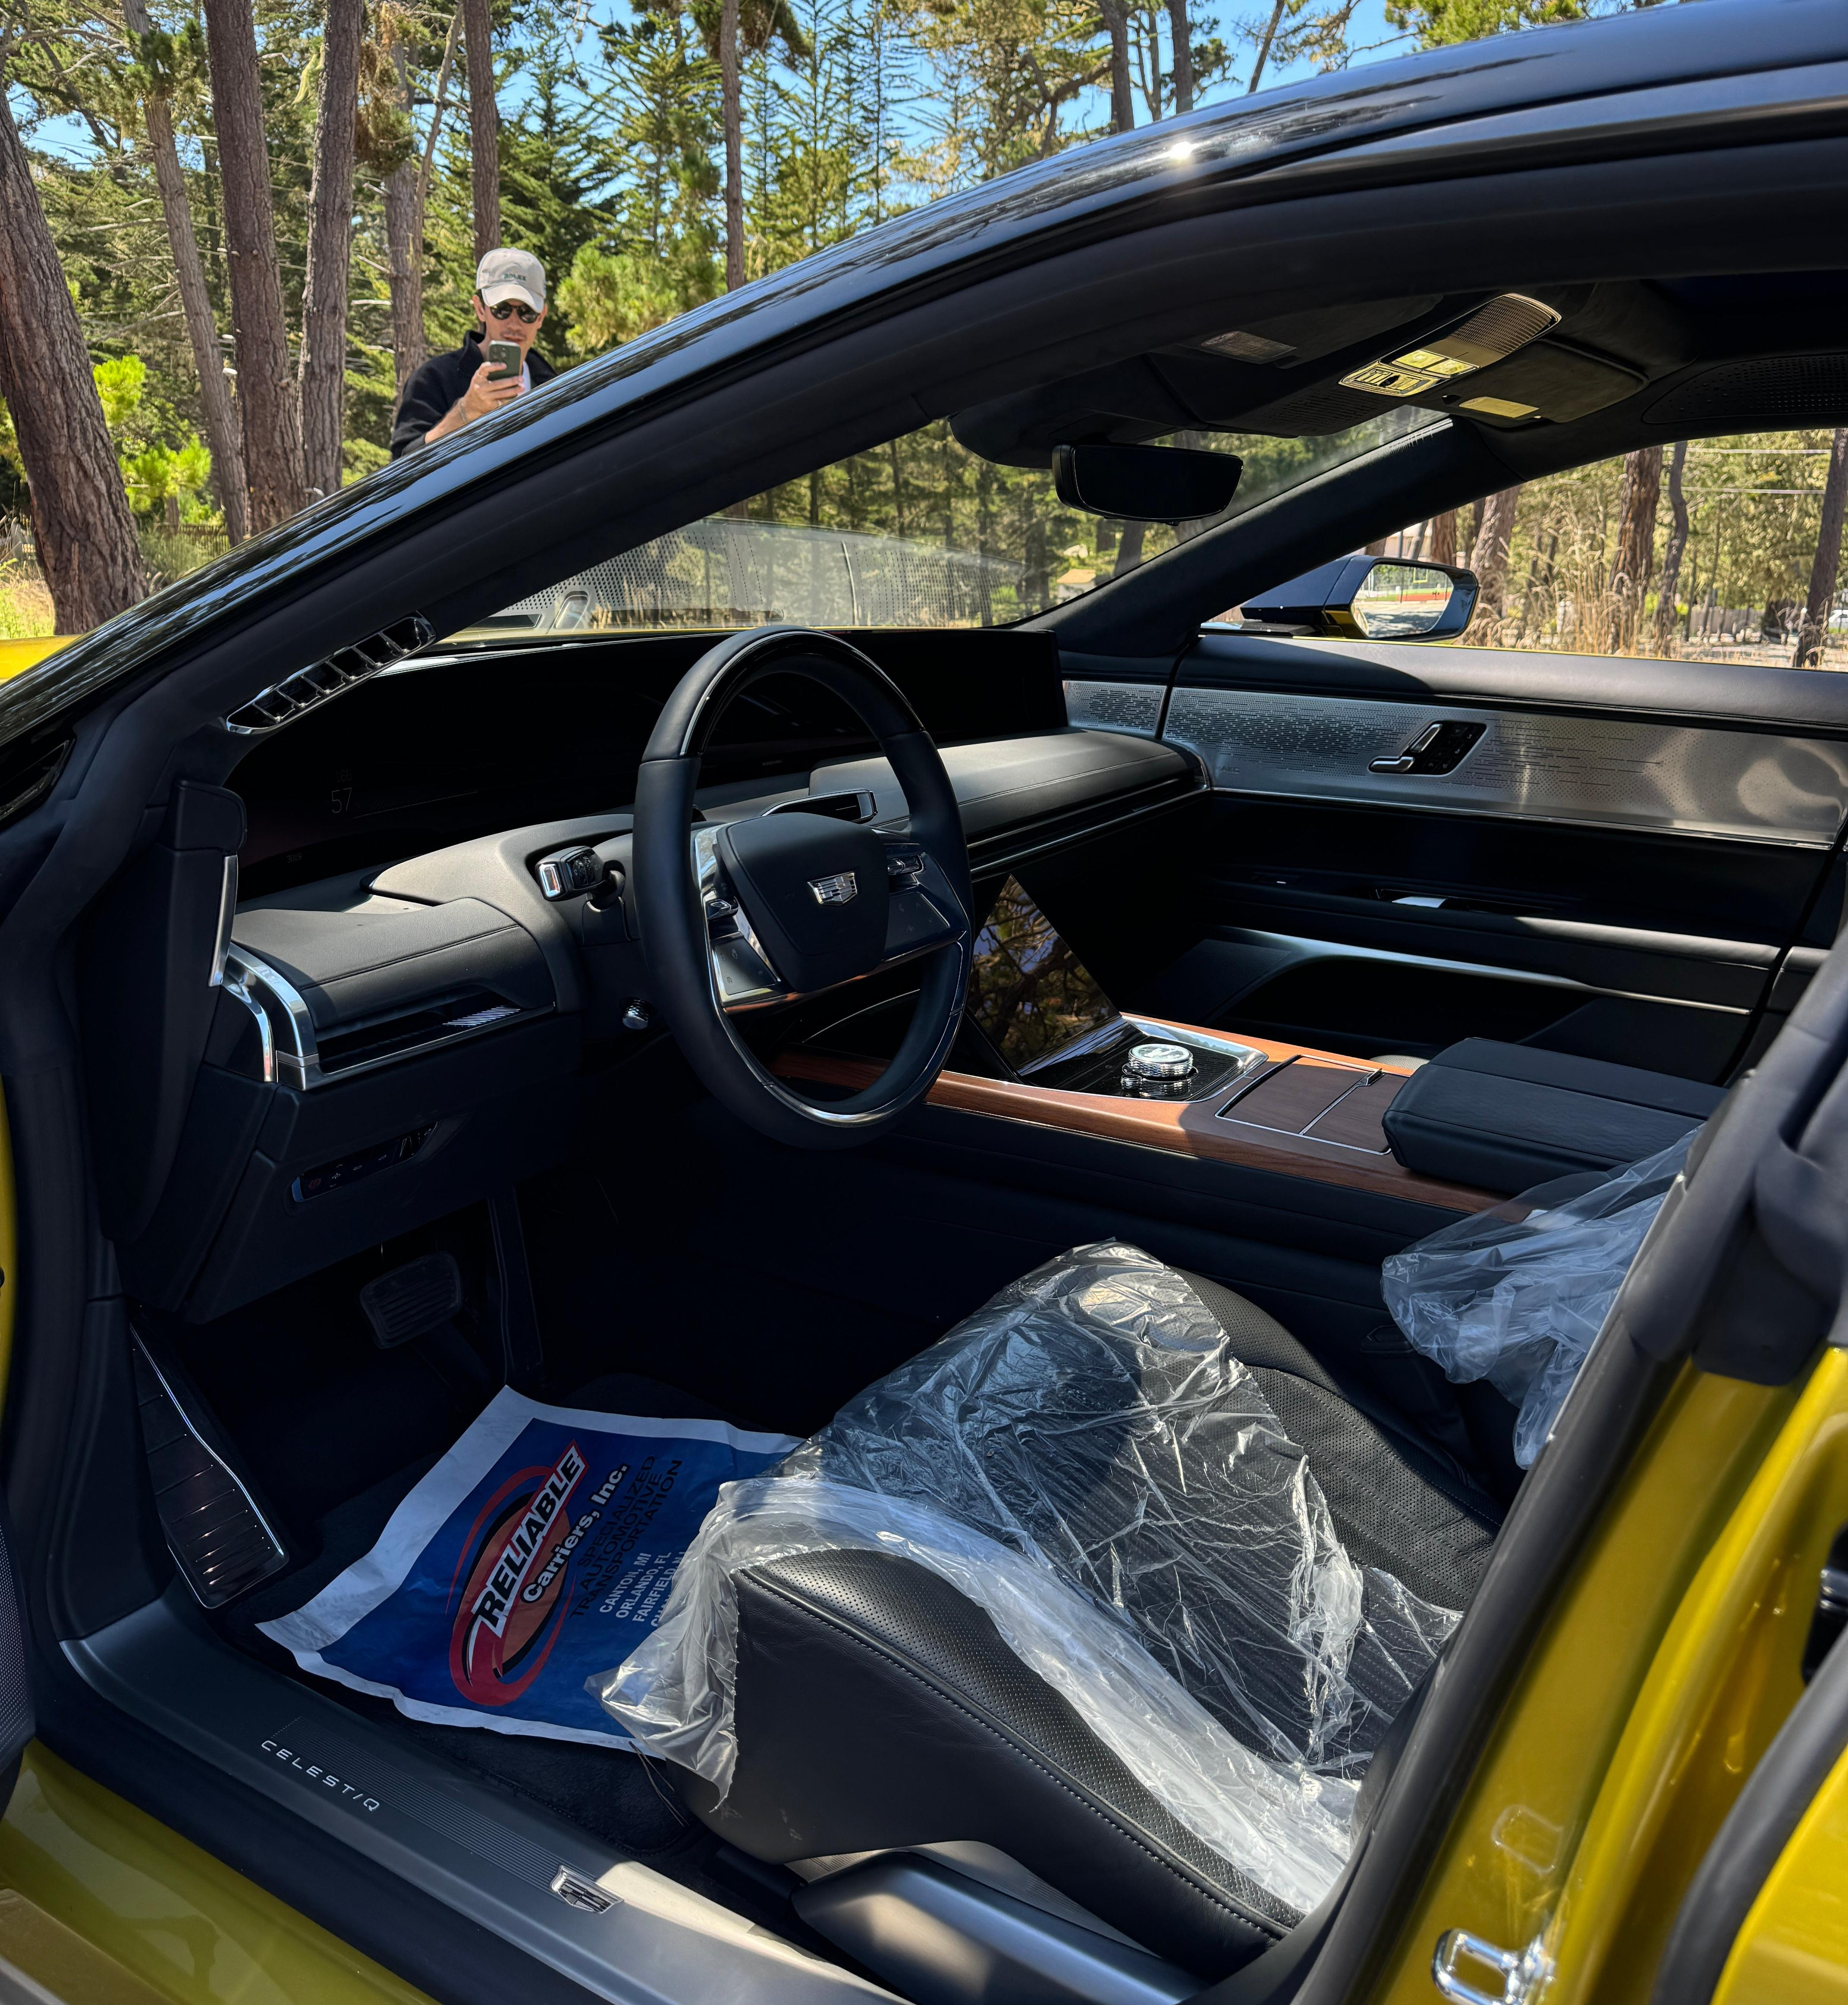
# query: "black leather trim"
1397,1504
877,1707
1506,1118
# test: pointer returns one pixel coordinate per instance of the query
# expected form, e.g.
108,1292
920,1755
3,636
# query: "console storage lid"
1506,1117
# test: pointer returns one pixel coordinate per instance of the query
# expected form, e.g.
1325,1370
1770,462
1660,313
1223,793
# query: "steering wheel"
743,914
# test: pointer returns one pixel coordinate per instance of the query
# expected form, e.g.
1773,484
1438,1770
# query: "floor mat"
531,1559
629,1803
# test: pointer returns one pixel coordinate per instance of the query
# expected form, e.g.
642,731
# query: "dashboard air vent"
29,767
314,685
399,1032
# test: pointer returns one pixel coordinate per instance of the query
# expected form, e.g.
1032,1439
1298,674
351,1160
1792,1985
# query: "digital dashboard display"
1029,994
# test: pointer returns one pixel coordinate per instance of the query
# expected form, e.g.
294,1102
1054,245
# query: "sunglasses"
508,308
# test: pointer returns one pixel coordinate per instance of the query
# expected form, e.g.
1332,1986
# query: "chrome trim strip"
292,1054
297,1056
227,913
234,986
1748,786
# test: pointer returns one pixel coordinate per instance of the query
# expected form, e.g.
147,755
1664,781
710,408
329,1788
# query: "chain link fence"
726,572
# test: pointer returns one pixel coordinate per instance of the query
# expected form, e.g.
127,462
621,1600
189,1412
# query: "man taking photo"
451,390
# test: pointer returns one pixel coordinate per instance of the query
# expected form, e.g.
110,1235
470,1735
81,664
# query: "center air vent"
306,687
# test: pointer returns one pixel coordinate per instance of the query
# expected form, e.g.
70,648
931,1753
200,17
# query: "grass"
24,604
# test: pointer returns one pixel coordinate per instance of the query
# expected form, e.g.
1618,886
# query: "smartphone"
505,355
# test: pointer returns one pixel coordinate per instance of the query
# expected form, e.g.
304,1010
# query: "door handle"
1438,748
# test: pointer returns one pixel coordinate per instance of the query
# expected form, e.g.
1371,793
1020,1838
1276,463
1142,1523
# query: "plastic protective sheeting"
1085,1459
1517,1295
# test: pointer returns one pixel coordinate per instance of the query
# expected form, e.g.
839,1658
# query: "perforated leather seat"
878,1709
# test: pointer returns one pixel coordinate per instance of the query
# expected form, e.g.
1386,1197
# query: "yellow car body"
17,656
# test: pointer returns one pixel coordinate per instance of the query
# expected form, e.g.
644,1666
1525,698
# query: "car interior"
1267,943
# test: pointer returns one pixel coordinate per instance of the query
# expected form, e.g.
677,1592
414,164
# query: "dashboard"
405,1023
459,744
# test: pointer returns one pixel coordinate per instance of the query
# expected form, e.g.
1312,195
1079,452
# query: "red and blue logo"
508,1594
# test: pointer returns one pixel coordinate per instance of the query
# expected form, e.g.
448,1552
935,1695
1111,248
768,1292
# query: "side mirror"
1373,598
1145,483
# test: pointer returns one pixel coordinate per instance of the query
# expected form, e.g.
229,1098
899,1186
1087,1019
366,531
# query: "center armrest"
1506,1117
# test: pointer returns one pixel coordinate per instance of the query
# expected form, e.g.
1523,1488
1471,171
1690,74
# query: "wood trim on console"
1186,1128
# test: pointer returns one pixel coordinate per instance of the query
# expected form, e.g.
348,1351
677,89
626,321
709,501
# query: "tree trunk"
1677,545
1489,559
330,247
1443,537
1264,46
406,193
404,273
1183,55
80,521
1824,570
1635,557
484,125
1122,101
215,408
732,107
272,433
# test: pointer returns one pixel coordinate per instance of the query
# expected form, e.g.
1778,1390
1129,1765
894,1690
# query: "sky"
1369,35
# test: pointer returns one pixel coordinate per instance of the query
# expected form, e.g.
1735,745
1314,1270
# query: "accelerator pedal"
220,1540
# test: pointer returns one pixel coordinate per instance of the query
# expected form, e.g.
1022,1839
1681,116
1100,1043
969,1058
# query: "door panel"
1618,773
1624,877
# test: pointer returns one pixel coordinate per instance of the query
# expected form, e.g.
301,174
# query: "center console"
1044,1044
1481,1121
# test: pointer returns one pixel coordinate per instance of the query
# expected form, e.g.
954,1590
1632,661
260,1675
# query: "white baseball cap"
503,274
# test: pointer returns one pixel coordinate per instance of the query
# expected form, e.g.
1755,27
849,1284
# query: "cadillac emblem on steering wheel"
838,889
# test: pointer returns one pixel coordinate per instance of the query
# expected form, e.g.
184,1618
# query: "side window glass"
1724,550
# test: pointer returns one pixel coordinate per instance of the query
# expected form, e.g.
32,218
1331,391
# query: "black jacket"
439,384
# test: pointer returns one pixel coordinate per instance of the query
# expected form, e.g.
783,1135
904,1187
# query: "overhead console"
1504,360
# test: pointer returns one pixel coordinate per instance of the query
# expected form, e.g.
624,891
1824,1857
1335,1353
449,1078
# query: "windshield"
919,532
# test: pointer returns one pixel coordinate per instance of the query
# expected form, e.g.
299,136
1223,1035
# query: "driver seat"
906,1763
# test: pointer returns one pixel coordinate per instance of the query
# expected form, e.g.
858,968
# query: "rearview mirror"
1373,598
1145,483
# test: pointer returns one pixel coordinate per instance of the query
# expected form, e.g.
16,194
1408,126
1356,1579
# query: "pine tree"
81,525
272,437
